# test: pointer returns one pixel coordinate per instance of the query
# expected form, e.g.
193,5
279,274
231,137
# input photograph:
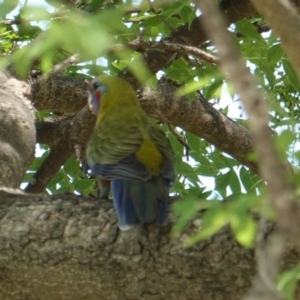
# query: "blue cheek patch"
96,101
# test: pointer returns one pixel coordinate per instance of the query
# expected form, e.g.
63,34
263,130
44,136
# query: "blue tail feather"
140,202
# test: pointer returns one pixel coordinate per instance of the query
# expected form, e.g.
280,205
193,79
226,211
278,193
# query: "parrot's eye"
96,85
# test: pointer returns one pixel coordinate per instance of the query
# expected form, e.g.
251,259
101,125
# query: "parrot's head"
107,92
97,89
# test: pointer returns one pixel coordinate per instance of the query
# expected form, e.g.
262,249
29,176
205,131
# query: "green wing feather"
116,136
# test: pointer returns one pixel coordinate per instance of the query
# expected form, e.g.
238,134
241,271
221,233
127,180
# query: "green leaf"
84,184
214,89
178,70
283,142
186,210
38,160
287,282
137,66
7,6
248,179
248,29
275,53
244,228
172,9
222,182
58,178
193,86
193,141
212,221
188,171
291,74
185,13
206,167
72,166
234,182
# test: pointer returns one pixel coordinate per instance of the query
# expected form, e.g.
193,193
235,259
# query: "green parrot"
131,151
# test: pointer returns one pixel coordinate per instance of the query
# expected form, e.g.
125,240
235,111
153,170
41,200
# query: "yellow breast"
149,155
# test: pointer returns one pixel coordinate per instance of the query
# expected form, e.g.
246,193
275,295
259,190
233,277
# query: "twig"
63,65
49,167
269,251
11,22
140,45
178,137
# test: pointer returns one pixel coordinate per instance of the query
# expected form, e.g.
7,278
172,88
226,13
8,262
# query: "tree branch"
17,132
199,118
270,166
59,94
69,247
140,45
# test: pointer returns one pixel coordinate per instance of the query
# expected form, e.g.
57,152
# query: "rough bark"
17,132
69,247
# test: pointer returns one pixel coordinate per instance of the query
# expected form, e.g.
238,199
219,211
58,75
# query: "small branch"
64,138
139,45
50,166
190,50
269,249
49,133
63,65
11,22
177,136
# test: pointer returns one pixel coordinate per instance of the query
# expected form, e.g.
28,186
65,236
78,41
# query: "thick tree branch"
17,131
199,118
69,247
63,138
50,133
48,94
57,157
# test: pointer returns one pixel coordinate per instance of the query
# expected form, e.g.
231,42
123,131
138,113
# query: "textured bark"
69,247
199,118
63,100
17,132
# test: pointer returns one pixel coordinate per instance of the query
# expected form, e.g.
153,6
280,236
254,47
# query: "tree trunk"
17,132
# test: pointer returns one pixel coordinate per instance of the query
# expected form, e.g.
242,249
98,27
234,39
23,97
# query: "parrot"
128,149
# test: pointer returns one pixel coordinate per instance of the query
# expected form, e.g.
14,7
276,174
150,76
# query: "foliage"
42,37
